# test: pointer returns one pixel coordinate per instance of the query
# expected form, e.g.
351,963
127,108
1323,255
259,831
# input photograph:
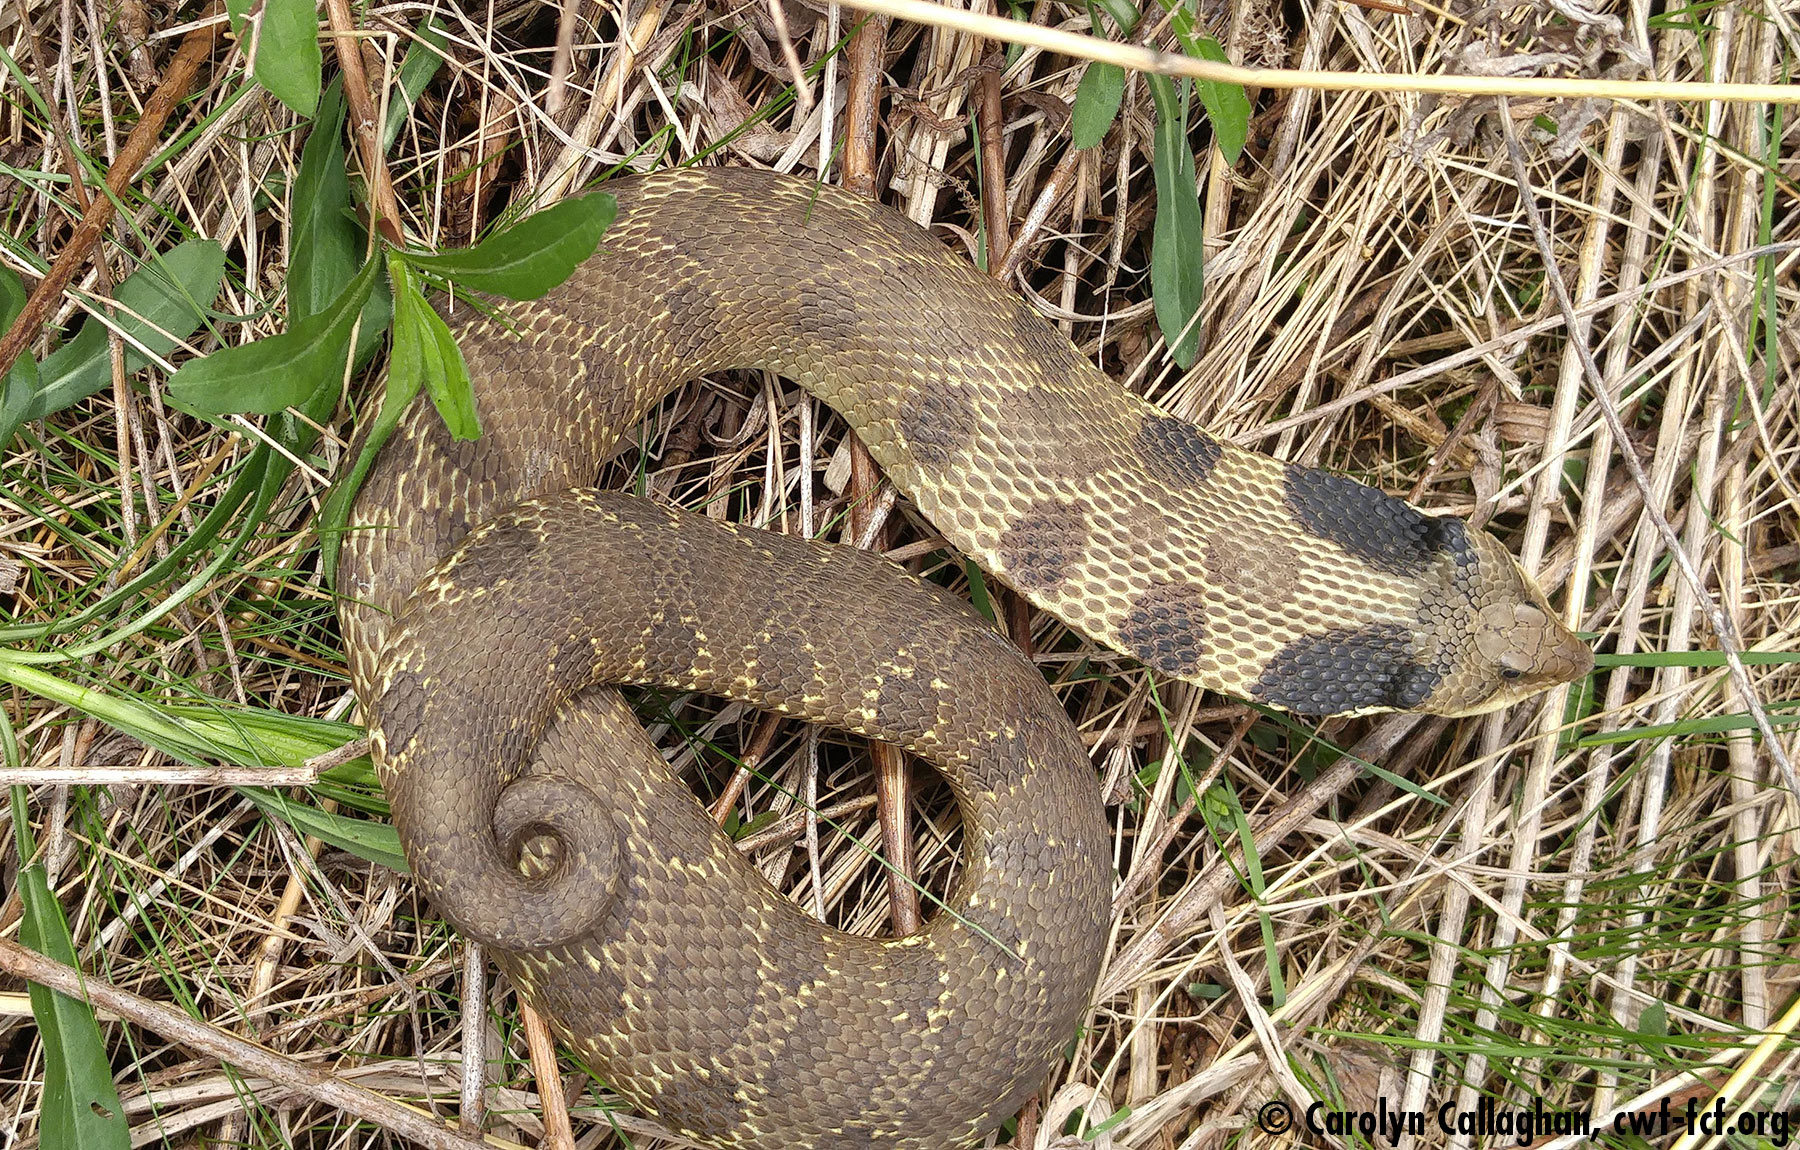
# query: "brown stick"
256,1059
364,121
196,48
862,109
991,123
868,51
558,1134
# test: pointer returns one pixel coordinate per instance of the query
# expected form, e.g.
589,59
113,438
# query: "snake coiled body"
537,819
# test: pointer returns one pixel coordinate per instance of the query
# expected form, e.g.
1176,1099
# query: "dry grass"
1539,913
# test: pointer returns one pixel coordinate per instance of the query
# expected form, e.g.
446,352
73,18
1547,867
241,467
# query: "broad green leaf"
528,258
327,251
425,354
1123,12
288,61
283,370
79,1108
12,296
20,385
1096,104
424,56
1102,85
170,293
1227,107
1177,267
326,241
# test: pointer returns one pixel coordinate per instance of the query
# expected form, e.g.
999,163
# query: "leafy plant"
1177,260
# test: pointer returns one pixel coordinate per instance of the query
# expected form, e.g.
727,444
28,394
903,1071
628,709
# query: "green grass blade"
80,1109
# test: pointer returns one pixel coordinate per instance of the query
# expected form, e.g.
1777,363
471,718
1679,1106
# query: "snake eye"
1510,672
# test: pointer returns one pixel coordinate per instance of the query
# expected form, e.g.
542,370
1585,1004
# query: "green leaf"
12,296
327,251
1227,107
425,353
288,61
326,241
79,1108
283,370
1096,104
379,843
529,258
169,292
1123,12
21,383
1102,85
1177,267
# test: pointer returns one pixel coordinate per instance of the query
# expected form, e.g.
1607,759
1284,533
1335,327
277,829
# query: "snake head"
1513,646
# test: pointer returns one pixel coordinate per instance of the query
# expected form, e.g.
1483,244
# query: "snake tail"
742,1021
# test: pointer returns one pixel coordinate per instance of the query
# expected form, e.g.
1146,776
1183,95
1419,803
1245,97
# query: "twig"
868,48
991,122
363,119
178,775
255,1059
558,89
791,57
1721,622
1174,64
195,49
1061,180
551,1102
472,1090
762,737
862,112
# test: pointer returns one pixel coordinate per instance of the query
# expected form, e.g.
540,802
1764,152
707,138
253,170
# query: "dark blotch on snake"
1166,628
401,706
1346,670
936,423
1043,545
1177,453
828,314
507,545
1385,532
